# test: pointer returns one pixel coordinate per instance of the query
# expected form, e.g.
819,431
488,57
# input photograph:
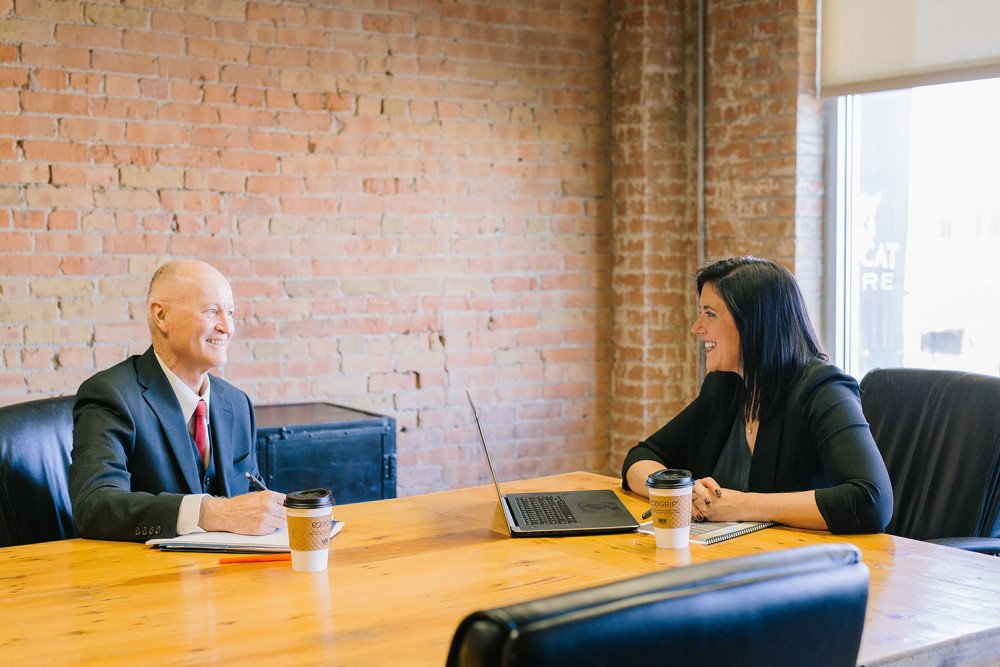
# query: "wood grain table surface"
404,572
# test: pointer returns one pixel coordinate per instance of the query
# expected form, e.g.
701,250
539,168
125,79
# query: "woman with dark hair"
777,432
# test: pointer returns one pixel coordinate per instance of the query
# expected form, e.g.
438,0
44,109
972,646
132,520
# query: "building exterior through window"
915,245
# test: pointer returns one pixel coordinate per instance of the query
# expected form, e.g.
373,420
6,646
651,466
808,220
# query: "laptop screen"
482,438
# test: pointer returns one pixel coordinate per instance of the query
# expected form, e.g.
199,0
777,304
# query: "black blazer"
133,458
817,438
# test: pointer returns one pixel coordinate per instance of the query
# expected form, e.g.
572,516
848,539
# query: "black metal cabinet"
322,445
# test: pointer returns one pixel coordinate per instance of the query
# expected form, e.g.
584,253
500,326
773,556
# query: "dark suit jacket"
817,438
134,459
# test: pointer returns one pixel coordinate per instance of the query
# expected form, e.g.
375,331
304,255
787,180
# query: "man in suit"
145,464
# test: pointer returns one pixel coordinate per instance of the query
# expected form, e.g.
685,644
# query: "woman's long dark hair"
776,337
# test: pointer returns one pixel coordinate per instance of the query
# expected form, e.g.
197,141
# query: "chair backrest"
36,439
802,606
939,434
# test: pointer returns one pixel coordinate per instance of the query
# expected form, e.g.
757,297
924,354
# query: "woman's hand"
710,502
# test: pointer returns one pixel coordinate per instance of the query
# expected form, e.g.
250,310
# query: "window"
914,249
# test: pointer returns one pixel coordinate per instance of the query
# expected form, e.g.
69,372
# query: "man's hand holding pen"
255,513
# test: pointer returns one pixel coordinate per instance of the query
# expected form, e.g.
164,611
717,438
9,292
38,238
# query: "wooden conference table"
404,572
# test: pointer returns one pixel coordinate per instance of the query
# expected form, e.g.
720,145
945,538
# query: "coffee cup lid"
310,499
671,478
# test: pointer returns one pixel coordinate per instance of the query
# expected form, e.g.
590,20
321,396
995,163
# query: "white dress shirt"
190,509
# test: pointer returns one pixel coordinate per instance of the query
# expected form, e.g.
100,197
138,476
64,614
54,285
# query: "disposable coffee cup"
670,503
309,514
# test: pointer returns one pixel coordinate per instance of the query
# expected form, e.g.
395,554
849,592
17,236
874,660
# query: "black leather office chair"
802,606
36,438
939,433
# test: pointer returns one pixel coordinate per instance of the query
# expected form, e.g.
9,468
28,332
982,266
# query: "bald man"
140,468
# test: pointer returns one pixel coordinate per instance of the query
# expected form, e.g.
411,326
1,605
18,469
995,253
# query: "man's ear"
158,315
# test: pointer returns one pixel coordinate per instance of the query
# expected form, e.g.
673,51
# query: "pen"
256,482
262,558
647,514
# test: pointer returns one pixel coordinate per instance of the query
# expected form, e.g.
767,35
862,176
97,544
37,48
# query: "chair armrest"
981,545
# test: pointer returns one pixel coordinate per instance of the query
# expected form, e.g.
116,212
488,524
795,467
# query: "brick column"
764,136
653,55
809,152
763,179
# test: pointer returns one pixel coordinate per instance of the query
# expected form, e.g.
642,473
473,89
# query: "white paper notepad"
276,542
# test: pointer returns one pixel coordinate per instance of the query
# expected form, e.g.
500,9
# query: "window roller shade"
870,45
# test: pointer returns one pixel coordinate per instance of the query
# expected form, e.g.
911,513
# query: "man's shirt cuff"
190,512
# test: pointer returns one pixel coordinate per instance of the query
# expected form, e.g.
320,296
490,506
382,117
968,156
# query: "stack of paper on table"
276,542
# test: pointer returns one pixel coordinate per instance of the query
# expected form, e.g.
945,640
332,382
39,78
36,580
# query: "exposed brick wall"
764,154
809,170
653,119
763,178
410,197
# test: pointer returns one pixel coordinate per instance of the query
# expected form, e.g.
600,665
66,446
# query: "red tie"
200,430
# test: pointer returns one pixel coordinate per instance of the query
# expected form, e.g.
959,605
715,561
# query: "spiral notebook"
710,532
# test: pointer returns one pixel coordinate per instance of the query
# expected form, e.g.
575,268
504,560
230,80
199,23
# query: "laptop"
554,514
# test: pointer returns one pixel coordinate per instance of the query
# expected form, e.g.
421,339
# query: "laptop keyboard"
544,510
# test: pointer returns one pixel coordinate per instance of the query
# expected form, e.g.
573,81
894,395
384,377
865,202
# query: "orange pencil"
260,558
